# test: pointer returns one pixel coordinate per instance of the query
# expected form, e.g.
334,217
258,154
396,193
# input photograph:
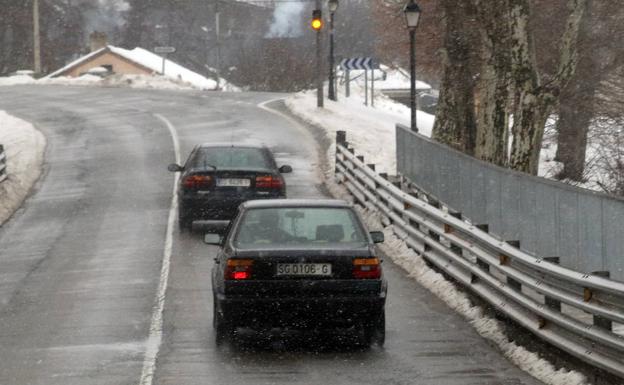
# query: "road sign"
359,63
164,49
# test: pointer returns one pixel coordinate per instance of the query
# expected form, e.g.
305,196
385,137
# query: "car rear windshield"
299,227
231,158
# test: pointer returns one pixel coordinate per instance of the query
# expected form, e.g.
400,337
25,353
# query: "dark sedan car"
216,178
302,264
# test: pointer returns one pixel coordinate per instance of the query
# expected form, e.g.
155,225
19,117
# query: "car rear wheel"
223,329
184,221
375,330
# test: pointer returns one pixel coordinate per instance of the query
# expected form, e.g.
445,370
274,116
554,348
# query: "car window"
299,227
230,158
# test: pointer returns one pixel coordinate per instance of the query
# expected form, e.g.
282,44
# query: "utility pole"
319,59
36,38
218,40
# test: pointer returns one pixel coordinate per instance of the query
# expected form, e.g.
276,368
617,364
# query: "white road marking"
264,105
156,327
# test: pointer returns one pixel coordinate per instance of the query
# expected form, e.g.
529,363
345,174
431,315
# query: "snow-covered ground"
131,81
370,130
604,158
372,133
24,147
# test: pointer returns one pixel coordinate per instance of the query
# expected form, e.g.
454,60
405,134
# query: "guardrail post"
448,229
436,204
371,166
599,321
481,263
341,138
551,302
360,158
3,173
515,285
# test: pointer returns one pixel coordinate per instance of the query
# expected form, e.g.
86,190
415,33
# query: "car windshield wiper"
206,165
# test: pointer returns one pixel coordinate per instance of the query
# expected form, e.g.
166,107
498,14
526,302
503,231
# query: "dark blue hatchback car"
217,178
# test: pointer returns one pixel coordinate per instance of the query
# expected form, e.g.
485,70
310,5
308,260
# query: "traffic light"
317,20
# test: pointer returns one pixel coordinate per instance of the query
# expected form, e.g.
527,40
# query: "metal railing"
574,311
3,172
584,228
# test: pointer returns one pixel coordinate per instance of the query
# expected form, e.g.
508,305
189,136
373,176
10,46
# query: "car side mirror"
378,236
175,167
213,239
286,169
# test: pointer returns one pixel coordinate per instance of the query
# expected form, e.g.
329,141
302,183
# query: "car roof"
277,203
233,145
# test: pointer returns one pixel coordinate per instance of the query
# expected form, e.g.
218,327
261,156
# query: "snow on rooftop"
172,69
153,62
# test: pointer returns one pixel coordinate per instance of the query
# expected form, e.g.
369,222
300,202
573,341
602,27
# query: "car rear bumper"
216,207
299,312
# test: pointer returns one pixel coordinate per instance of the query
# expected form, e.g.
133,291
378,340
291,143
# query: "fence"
583,228
573,311
3,173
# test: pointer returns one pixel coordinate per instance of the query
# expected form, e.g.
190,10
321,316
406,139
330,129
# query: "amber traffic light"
317,20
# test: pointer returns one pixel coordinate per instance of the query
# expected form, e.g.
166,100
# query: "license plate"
231,182
304,269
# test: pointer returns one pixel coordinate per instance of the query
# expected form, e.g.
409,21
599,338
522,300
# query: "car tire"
375,330
223,329
184,221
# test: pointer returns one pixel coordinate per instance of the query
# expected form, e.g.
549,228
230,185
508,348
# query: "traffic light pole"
319,63
332,66
36,39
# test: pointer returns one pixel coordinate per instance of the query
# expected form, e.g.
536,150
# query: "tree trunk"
493,90
576,107
455,118
535,101
575,114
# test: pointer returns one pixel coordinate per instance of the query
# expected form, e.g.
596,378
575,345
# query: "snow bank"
131,81
24,147
370,130
386,78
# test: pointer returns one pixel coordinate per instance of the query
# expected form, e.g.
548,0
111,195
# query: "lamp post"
333,6
36,38
412,17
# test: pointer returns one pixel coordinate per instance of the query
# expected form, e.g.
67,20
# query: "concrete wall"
551,219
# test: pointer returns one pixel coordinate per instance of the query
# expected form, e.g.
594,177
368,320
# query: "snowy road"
80,263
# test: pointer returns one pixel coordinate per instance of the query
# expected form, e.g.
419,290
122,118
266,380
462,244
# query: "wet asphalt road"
80,262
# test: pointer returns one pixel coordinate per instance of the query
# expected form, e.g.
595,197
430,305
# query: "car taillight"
238,269
366,268
269,181
197,181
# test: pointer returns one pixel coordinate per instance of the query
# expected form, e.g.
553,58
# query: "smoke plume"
286,20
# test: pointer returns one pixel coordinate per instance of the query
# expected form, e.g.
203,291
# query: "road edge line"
154,339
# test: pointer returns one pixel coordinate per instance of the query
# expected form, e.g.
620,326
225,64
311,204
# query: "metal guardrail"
573,311
3,172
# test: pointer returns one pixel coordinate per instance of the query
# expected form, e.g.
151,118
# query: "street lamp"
333,6
412,17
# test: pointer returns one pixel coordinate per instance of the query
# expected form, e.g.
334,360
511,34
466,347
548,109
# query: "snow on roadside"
129,81
24,147
372,133
370,130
